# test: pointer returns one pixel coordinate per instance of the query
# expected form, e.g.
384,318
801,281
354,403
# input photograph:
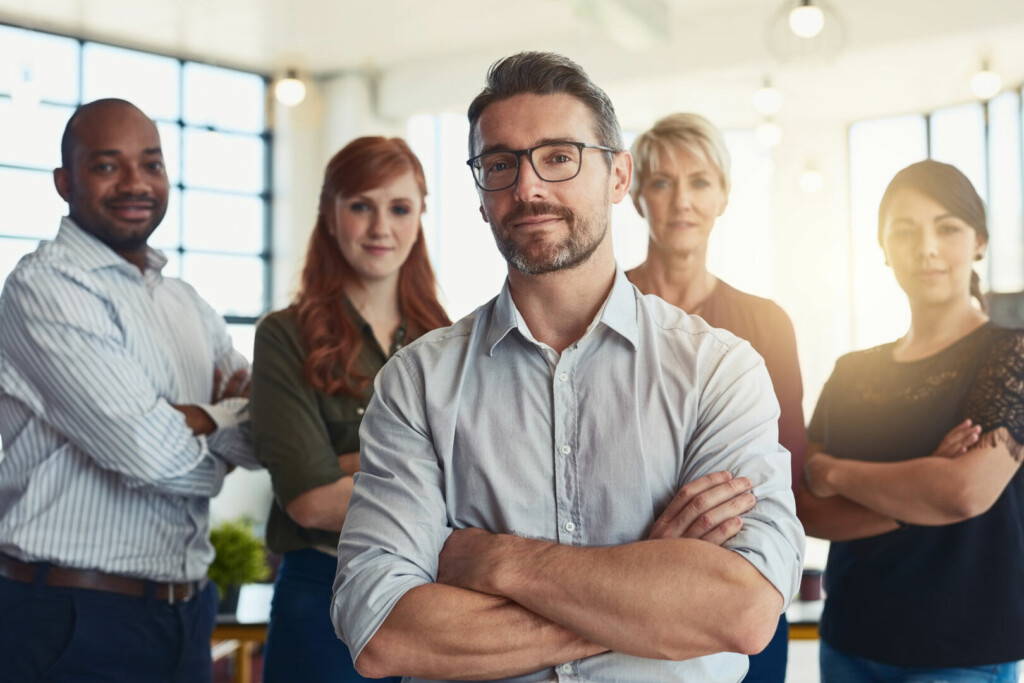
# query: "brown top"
764,324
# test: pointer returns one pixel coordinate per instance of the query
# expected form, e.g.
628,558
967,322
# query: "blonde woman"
681,187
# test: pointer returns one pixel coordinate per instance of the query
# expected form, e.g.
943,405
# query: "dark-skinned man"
121,400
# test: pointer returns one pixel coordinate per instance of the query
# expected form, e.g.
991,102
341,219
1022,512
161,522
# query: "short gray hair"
546,73
690,132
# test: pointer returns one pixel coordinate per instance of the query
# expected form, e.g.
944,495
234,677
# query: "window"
982,140
878,149
213,131
1005,210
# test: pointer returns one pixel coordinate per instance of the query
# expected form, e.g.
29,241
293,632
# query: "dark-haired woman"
367,289
915,456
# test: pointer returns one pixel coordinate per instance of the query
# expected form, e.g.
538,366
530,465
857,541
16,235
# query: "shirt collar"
397,341
618,313
92,254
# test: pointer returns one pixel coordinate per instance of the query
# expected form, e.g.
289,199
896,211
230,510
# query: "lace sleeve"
996,400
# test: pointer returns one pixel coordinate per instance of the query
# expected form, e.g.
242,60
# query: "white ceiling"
430,54
329,35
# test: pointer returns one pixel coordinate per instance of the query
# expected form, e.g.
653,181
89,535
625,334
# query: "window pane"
223,222
173,267
878,149
170,145
453,217
741,247
958,138
1006,217
167,234
11,251
223,162
223,98
148,81
38,65
32,206
31,136
232,284
243,337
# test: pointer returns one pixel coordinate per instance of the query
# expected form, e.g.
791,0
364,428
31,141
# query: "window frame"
987,165
266,137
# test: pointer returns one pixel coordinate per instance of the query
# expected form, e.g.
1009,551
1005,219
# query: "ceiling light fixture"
811,180
290,90
986,83
806,20
768,99
768,133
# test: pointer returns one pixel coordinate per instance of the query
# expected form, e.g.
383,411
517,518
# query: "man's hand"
707,508
816,474
237,386
349,462
958,440
197,419
469,559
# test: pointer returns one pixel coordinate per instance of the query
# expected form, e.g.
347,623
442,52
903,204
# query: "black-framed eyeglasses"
553,162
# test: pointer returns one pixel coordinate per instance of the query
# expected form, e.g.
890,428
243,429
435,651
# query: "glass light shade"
986,84
768,101
811,181
769,133
290,91
806,21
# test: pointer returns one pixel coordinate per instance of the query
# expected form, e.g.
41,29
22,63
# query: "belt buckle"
170,593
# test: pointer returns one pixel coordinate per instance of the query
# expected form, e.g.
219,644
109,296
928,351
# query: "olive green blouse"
299,432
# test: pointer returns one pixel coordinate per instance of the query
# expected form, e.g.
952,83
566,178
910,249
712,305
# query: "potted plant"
240,558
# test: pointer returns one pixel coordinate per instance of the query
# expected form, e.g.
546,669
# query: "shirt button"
569,526
564,377
565,669
360,410
565,450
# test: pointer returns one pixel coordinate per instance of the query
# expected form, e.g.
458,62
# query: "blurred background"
252,97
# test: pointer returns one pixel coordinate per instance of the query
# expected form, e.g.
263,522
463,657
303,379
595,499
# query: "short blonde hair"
690,132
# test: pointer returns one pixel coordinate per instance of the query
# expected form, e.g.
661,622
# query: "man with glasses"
575,482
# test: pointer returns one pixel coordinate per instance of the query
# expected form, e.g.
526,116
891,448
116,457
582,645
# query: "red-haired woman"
367,289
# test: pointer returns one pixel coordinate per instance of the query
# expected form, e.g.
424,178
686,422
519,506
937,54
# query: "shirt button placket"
564,428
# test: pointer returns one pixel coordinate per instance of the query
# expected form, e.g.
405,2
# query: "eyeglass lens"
552,163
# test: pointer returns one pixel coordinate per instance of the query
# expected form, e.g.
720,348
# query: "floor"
803,662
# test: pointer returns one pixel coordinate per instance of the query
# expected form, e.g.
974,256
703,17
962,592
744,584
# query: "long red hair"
331,339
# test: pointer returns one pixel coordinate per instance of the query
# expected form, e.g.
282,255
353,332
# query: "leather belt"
65,577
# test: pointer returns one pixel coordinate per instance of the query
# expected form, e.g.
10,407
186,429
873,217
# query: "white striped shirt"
99,470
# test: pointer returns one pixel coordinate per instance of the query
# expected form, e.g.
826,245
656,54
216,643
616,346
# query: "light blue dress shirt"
99,471
479,425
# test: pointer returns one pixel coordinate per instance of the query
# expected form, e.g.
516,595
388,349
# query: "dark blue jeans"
839,667
769,665
301,643
76,635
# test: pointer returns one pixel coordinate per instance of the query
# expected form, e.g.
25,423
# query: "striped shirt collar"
618,313
91,254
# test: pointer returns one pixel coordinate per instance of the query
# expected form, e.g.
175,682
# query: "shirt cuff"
229,412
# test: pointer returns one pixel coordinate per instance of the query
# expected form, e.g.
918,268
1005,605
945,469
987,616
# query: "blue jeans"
769,665
837,667
301,643
88,636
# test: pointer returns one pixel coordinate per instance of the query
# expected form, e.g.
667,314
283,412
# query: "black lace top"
928,596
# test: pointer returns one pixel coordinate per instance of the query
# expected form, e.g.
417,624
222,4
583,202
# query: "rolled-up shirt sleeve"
737,430
397,521
64,345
